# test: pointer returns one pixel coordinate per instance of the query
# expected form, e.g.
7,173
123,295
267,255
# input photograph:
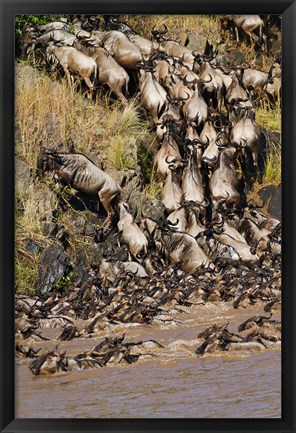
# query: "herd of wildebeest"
212,244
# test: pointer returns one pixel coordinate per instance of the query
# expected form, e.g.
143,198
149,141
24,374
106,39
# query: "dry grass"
179,26
126,132
192,23
153,188
273,164
269,116
26,271
51,113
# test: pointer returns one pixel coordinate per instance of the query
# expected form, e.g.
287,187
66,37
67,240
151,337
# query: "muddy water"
174,384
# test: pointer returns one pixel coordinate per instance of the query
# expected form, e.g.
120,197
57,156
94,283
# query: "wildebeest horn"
170,162
173,224
242,99
236,101
207,81
199,141
153,31
159,32
216,124
185,99
79,36
165,28
196,54
206,200
205,143
217,141
245,66
189,82
240,144
49,151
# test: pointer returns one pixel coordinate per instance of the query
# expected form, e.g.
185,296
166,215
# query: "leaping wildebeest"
79,172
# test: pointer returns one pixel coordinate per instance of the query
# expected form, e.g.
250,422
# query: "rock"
197,42
275,203
45,201
79,225
53,265
54,230
26,75
33,247
52,126
90,229
141,204
130,180
266,192
271,195
107,248
238,57
84,227
81,265
154,209
23,174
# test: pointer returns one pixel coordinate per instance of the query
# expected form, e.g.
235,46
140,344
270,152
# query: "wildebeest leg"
237,36
117,89
253,37
255,165
90,86
106,197
264,42
68,75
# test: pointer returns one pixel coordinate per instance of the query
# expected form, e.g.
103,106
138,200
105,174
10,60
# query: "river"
176,384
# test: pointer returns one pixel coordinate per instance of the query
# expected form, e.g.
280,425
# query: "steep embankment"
114,137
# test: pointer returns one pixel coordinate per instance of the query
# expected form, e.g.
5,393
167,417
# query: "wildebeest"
264,326
62,37
223,182
246,134
172,191
109,71
125,52
219,338
153,95
132,236
75,62
182,248
251,25
78,171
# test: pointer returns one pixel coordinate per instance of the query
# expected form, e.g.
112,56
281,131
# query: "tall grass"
26,271
50,112
130,133
273,163
179,26
269,116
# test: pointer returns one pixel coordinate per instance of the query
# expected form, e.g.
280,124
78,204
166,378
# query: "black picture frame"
9,9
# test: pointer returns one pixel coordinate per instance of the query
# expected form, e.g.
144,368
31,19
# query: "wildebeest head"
158,34
49,363
47,160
